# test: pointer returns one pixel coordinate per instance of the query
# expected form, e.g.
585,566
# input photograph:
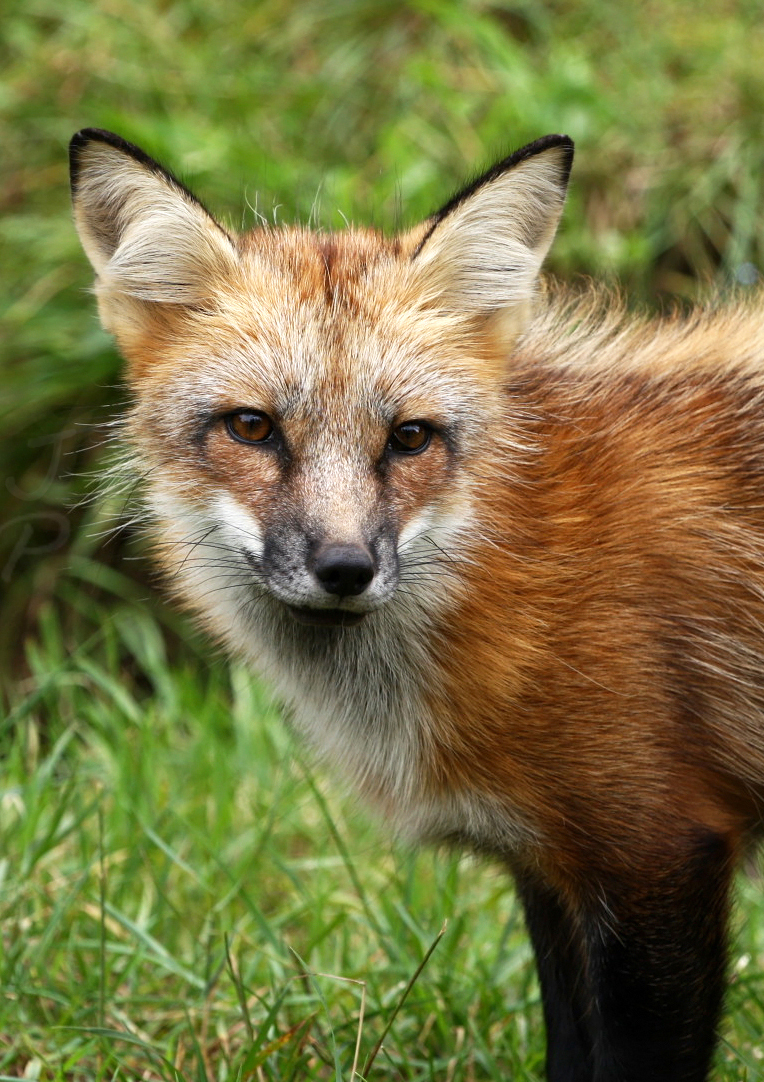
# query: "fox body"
501,551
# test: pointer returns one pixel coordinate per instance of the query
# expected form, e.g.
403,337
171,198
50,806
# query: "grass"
181,896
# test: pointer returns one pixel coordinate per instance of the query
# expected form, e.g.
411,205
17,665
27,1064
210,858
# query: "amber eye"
249,426
410,438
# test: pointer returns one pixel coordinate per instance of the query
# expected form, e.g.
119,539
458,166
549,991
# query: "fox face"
333,459
310,409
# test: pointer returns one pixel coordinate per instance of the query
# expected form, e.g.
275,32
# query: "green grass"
181,896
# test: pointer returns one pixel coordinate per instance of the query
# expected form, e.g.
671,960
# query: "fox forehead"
311,322
338,266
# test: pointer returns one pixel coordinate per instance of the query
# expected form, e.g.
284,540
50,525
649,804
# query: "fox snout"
339,570
329,580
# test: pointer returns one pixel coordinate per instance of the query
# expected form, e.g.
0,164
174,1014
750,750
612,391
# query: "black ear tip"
562,143
83,137
568,147
77,144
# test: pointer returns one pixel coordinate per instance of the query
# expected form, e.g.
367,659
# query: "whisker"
194,546
246,585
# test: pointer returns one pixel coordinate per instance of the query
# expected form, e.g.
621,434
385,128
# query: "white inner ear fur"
145,237
484,257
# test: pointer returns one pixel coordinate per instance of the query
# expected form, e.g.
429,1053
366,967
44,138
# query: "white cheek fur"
240,525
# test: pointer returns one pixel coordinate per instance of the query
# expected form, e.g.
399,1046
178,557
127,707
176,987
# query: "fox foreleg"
633,977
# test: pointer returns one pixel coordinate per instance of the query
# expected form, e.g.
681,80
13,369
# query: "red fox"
500,549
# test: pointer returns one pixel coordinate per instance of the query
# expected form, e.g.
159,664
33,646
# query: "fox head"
310,409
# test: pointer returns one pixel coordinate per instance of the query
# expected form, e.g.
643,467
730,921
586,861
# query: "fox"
496,543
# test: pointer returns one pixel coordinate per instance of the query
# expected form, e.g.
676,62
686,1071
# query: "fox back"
499,548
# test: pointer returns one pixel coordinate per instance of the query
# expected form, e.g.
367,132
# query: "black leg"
560,959
658,966
633,982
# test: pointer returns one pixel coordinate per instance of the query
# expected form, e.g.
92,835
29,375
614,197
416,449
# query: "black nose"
344,570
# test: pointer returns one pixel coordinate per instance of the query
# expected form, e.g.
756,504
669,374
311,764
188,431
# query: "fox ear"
482,252
146,235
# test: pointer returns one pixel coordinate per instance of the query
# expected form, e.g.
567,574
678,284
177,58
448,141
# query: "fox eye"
249,426
410,438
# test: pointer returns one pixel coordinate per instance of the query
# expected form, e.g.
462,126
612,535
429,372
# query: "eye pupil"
250,426
410,437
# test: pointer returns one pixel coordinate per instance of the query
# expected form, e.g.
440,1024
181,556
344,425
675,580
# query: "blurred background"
159,831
